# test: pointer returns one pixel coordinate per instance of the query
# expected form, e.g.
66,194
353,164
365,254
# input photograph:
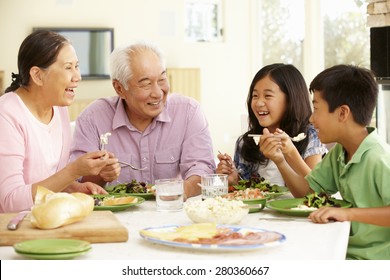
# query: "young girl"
278,105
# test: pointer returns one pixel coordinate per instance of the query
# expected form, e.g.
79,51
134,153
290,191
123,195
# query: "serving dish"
216,210
284,206
277,239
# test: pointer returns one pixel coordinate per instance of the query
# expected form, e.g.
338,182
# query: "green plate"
281,191
52,246
65,256
116,208
143,195
258,203
284,206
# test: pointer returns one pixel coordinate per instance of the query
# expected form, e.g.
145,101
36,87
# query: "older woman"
35,133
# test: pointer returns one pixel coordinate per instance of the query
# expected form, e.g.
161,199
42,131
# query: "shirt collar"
121,119
371,139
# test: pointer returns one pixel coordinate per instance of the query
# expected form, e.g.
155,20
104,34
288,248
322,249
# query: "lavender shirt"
177,144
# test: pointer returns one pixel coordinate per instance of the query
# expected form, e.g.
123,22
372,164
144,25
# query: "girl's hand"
226,166
287,145
271,146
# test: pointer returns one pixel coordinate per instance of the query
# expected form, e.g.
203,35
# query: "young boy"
358,166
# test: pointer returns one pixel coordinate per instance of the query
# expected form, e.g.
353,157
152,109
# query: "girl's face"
268,103
62,77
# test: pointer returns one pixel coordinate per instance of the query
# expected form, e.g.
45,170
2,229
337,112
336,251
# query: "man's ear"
120,90
36,75
344,112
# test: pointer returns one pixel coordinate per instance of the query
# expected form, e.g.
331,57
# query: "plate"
116,208
281,191
258,203
215,247
65,256
52,246
143,195
284,206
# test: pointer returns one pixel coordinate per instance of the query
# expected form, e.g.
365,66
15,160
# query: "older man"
165,135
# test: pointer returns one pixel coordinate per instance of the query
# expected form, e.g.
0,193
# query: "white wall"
226,68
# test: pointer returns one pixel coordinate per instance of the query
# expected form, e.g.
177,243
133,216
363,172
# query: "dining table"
304,240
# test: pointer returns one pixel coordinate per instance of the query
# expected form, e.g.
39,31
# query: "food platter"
52,249
277,239
116,208
284,206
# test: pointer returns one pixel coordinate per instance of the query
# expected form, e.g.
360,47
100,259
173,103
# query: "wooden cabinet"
185,81
2,86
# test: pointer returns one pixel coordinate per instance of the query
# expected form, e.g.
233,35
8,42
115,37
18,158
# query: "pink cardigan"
21,162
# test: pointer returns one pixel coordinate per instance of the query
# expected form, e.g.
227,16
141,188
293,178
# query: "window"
346,35
203,20
290,32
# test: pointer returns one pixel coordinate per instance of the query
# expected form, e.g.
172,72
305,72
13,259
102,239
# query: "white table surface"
304,239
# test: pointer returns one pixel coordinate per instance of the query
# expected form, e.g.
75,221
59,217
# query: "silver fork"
131,166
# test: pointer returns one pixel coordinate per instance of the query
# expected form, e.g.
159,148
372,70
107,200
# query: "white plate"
218,247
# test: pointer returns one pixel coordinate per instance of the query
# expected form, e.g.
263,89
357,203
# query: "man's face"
148,88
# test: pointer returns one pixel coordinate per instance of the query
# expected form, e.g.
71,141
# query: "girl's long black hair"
298,110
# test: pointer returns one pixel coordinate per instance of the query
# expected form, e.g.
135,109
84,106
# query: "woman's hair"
298,109
348,85
40,49
121,59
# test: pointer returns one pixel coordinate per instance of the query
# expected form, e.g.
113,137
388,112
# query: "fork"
131,166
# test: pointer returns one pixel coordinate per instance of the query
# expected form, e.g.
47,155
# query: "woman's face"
148,88
61,78
268,103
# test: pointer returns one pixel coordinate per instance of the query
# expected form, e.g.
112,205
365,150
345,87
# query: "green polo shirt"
365,182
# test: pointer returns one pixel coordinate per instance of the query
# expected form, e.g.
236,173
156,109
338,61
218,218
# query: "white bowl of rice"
216,210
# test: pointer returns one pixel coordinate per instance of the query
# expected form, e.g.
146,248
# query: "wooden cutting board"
98,227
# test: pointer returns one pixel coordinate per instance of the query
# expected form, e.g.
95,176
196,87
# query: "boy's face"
323,121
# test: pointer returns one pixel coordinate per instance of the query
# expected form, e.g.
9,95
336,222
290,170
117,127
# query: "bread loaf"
53,210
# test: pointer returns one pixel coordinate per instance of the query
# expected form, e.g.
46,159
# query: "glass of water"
214,185
169,195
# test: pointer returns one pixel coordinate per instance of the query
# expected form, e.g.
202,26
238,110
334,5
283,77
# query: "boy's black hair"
348,85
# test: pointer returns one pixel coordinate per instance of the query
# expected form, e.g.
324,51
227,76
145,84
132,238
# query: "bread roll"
53,210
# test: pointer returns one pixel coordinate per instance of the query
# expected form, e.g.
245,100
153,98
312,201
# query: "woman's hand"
111,171
226,166
89,164
87,187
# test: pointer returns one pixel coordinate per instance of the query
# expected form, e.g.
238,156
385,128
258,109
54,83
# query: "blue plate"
277,239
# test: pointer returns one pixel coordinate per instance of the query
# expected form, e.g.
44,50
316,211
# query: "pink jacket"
21,162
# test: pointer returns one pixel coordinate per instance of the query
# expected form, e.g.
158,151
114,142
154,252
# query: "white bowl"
216,210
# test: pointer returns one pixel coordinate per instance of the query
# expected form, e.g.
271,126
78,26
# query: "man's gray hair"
121,59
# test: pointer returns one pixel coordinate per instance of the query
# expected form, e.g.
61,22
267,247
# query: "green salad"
318,200
258,183
133,187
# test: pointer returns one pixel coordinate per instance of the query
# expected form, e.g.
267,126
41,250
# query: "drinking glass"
214,185
169,195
